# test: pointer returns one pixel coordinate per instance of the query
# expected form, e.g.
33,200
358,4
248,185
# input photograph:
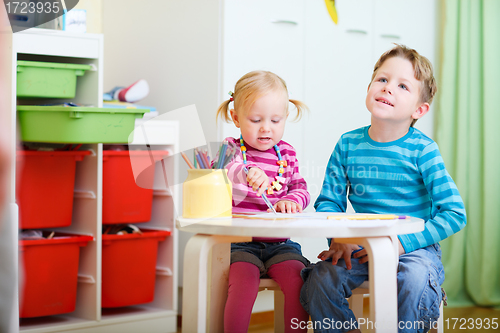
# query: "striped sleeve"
448,210
332,197
294,186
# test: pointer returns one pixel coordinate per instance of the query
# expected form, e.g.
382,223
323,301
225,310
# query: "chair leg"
356,305
279,311
440,322
440,328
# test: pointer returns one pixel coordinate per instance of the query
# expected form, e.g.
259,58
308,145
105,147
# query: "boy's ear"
421,111
234,116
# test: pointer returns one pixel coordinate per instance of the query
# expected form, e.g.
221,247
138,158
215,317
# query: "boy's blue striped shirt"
405,177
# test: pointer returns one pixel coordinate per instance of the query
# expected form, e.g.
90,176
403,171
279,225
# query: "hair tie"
230,93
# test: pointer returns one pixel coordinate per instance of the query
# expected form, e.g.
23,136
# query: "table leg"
206,263
383,281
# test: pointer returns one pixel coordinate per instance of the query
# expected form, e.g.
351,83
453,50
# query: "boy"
389,167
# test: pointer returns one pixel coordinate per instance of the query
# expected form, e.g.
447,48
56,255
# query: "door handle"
285,22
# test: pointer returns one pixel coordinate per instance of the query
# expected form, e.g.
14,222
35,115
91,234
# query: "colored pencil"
200,160
368,217
222,155
230,152
205,159
187,160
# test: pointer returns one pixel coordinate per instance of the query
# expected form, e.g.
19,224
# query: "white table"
207,260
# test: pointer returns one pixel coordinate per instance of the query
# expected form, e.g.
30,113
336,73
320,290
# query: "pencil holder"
207,193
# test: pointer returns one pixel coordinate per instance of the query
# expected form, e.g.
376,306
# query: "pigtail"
223,111
301,109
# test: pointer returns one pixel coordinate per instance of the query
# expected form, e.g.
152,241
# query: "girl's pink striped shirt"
245,199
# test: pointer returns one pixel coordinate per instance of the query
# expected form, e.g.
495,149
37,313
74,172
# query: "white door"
337,73
264,35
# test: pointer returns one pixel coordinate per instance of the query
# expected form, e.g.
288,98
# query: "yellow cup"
207,193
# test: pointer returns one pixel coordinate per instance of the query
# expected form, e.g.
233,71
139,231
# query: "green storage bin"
60,124
48,79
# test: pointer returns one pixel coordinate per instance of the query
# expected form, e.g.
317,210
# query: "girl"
260,112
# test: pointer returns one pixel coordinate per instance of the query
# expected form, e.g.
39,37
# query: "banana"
330,5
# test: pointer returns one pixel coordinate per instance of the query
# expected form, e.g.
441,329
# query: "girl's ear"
234,116
421,111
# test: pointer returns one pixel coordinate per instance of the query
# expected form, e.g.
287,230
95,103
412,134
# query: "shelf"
138,319
149,319
53,323
161,314
58,43
137,312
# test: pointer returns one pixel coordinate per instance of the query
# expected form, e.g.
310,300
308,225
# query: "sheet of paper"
282,216
322,217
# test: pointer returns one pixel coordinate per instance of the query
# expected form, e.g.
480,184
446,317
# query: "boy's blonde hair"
422,68
251,87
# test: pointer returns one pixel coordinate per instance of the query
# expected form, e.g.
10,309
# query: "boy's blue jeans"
420,275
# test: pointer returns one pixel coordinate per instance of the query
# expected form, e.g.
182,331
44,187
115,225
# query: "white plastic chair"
356,305
279,303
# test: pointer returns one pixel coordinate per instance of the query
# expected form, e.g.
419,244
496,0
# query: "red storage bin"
45,183
123,200
49,274
129,267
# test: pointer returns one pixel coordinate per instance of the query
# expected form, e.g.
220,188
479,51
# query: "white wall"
135,48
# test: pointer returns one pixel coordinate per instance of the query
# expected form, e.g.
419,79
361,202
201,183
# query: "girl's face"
264,124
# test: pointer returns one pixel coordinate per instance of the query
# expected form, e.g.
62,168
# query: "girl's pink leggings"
244,281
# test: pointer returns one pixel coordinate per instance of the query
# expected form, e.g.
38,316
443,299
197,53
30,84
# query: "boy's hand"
286,206
364,255
339,250
258,180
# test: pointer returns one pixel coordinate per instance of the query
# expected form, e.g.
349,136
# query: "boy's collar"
386,144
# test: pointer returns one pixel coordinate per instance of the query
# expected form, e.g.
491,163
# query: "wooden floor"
456,320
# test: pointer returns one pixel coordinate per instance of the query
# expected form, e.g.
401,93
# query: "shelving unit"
161,314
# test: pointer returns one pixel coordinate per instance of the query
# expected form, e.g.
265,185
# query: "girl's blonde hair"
250,88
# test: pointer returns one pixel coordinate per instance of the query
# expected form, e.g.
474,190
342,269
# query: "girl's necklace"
275,185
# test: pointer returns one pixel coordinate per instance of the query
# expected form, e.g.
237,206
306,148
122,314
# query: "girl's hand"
258,180
339,250
286,206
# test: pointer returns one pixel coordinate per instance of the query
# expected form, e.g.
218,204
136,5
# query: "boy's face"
394,94
264,124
